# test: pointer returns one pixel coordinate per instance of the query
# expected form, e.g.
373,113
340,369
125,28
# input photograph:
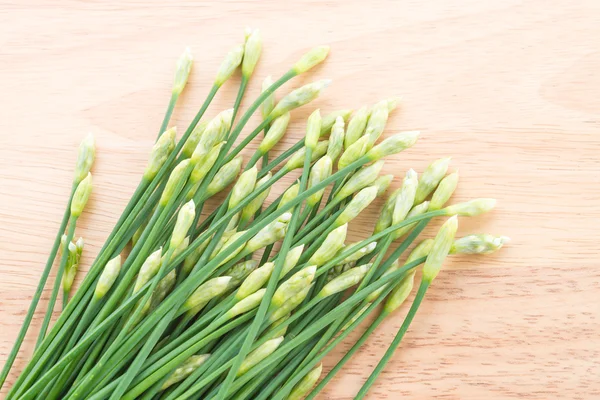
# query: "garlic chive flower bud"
421,250
185,370
202,169
313,130
180,173
240,271
375,294
206,292
269,104
344,281
255,204
85,157
259,354
360,253
148,269
185,217
232,60
331,245
393,145
297,159
387,211
358,203
431,178
406,197
290,304
255,280
194,138
377,121
290,194
471,208
355,151
336,139
191,260
231,252
400,292
306,384
246,304
270,234
383,183
291,259
414,212
224,176
108,277
81,196
184,66
320,171
330,119
361,179
392,103
79,245
440,248
300,97
163,288
273,332
313,57
478,244
243,187
215,132
252,50
356,126
275,133
160,152
293,285
444,191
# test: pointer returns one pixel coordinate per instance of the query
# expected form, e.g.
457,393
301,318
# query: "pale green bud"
243,187
63,243
440,248
163,288
360,253
79,245
313,57
293,285
291,259
108,277
355,151
387,211
215,132
273,332
252,50
290,304
299,97
160,152
256,203
270,234
406,197
255,281
330,119
69,277
231,253
240,271
336,139
361,179
478,244
181,172
358,203
85,158
471,208
377,121
400,292
444,191
232,60
306,384
259,354
184,66
148,270
313,130
417,210
206,292
421,250
320,171
194,138
383,183
201,169
431,177
191,260
375,294
185,370
356,126
392,103
246,304
81,196
275,133
344,281
297,159
185,217
269,104
181,248
225,176
331,245
393,145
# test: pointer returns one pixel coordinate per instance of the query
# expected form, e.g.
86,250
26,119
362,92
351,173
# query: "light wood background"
510,89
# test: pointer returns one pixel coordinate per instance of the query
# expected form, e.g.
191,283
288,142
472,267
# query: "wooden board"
510,89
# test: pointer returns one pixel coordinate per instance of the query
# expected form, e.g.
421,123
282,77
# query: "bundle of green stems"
243,303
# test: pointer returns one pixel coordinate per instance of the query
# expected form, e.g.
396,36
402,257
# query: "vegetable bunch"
182,305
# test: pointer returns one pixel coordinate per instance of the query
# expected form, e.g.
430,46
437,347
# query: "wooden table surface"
510,89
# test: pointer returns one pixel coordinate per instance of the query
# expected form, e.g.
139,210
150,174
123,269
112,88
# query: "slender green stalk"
169,112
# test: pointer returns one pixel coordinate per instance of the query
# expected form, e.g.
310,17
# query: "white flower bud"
313,57
85,157
230,64
81,196
393,145
184,66
299,97
440,248
252,50
160,152
185,218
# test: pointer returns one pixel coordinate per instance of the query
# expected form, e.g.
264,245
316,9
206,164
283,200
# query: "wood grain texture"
510,89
